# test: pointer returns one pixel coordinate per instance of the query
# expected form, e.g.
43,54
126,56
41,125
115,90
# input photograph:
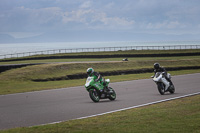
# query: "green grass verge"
63,69
13,86
177,116
95,53
99,59
20,79
181,115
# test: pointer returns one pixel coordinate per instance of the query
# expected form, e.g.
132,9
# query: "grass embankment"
181,115
31,59
177,116
20,80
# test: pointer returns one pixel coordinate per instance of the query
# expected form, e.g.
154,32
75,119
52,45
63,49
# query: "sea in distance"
33,47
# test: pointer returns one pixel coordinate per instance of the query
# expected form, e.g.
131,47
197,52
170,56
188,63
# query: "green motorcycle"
96,90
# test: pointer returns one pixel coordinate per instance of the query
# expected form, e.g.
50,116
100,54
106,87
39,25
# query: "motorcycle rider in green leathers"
97,77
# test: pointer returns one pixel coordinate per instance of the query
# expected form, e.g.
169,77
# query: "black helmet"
156,65
90,71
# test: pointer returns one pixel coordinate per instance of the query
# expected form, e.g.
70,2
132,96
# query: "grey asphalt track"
41,107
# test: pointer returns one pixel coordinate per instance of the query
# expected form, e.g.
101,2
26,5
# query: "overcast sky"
27,18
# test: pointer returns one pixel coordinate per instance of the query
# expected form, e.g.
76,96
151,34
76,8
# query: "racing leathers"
98,77
163,70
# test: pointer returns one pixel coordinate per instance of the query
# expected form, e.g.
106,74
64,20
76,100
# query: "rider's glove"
163,73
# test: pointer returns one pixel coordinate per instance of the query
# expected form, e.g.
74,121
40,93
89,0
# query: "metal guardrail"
100,49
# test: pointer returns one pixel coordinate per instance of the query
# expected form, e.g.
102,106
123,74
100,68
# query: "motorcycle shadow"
166,94
102,101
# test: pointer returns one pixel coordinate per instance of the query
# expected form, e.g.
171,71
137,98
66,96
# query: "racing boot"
167,84
169,80
108,90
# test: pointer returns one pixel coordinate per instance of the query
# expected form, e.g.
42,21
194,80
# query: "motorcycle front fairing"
90,83
157,77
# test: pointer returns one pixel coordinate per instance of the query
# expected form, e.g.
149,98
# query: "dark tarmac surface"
41,107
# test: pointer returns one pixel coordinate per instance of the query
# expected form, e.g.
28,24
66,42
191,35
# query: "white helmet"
90,71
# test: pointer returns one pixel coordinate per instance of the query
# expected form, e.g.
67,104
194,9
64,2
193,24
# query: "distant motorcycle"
161,82
96,90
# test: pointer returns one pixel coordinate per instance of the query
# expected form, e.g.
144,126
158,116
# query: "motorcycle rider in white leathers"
166,81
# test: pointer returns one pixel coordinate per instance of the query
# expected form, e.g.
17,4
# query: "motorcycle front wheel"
94,95
113,95
161,88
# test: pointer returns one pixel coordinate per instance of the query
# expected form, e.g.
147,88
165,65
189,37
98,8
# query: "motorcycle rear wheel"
94,95
172,89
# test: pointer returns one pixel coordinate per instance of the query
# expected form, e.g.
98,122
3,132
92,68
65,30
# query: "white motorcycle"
162,84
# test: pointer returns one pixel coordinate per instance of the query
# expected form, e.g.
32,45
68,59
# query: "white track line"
137,106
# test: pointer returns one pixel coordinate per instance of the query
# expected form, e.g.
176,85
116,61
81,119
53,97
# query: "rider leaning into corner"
158,68
97,77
